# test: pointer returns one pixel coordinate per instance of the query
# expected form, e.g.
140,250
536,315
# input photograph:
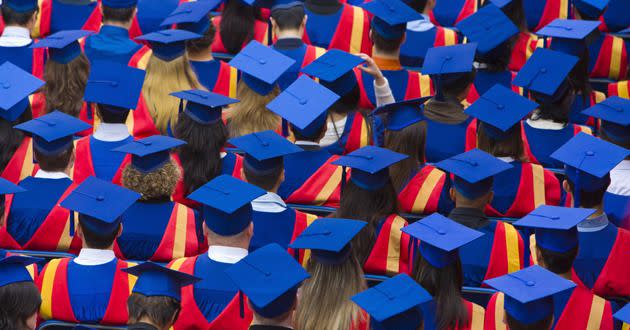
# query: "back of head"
268,181
288,18
203,44
58,162
237,25
558,262
386,45
590,199
511,146
20,301
118,15
250,115
65,85
606,137
14,18
514,324
157,185
97,240
348,102
456,85
409,141
11,138
159,310
497,60
558,110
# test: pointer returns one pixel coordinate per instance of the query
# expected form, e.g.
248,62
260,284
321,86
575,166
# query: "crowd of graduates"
317,164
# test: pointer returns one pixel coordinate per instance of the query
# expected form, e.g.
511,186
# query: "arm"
381,86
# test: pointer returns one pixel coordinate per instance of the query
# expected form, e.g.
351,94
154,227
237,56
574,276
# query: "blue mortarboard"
500,109
282,4
21,6
440,237
588,161
329,239
473,171
623,314
570,36
555,226
203,107
117,86
13,269
390,17
150,153
63,46
100,204
529,293
155,280
489,27
120,3
546,72
615,115
192,16
270,278
264,151
449,59
370,166
168,45
8,187
402,114
17,85
335,70
304,104
591,8
501,3
53,133
227,208
262,66
394,304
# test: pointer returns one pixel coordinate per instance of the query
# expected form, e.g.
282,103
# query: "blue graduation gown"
272,227
378,134
207,72
544,142
107,162
415,47
484,80
321,28
445,140
298,167
475,256
505,187
617,207
20,56
593,253
447,12
295,49
112,43
65,16
215,290
397,79
151,13
89,288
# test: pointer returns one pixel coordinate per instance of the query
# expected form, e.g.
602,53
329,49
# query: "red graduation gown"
323,188
21,163
391,253
353,31
421,195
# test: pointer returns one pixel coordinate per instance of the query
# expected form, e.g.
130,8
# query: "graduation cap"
591,8
17,85
261,66
115,87
501,3
529,293
569,35
53,133
192,16
335,70
150,153
270,278
440,237
202,106
555,226
168,45
588,161
369,166
284,4
448,63
546,73
120,3
20,6
390,17
100,204
13,269
615,115
264,151
402,114
394,304
473,172
158,281
227,208
329,239
63,46
499,109
623,314
489,27
304,104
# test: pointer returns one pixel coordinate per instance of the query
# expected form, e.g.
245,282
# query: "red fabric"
378,258
614,279
116,312
135,59
409,193
525,44
498,263
61,308
222,85
577,311
471,135
143,125
83,166
601,69
307,194
14,168
301,222
164,251
551,12
343,33
359,125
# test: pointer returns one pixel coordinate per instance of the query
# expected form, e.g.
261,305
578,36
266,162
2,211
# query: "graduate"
602,259
614,19
500,250
334,24
525,186
388,33
91,288
332,262
155,301
422,34
34,220
452,12
539,13
20,17
438,269
19,296
422,188
526,41
151,14
239,23
451,69
395,304
7,188
263,166
215,301
369,196
270,279
56,15
155,228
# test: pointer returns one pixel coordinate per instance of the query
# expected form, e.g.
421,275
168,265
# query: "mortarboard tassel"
343,178
71,219
88,109
241,304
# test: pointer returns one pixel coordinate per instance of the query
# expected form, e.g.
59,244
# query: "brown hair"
19,302
251,114
65,85
409,141
511,146
156,184
159,309
55,163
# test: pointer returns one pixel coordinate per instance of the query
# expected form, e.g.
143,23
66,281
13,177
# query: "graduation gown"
281,228
426,192
539,144
621,89
55,16
392,251
301,53
523,49
21,164
96,158
608,58
356,134
484,80
617,197
539,13
449,13
579,105
261,34
348,29
112,43
28,59
476,316
417,43
150,16
446,139
216,76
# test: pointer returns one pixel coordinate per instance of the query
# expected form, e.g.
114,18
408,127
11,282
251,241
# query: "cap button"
589,153
303,101
100,198
6,85
448,57
262,61
441,231
543,70
530,283
500,107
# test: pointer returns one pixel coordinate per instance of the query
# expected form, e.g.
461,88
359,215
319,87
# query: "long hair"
511,146
325,297
65,85
369,206
162,79
444,284
11,138
237,25
409,141
251,114
201,156
19,302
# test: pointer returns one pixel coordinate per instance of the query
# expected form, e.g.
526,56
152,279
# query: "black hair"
203,43
160,310
12,17
19,302
264,181
118,15
118,116
289,18
11,138
455,84
604,136
385,44
498,59
98,240
557,110
510,146
557,262
514,324
590,199
347,102
299,137
54,163
417,5
237,25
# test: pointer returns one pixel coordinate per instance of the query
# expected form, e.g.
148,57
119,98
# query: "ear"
78,231
490,197
120,230
282,177
243,175
273,23
539,258
250,229
451,193
206,230
565,186
304,20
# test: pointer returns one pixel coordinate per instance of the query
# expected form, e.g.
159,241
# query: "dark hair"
498,59
369,206
201,156
384,44
289,18
159,309
11,138
510,146
516,12
348,102
264,181
557,111
456,83
118,15
111,117
65,85
55,163
444,284
12,17
514,324
579,76
604,136
203,43
417,5
409,141
19,302
590,199
98,240
557,262
237,25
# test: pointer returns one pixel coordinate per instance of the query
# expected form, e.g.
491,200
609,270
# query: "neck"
240,244
202,56
395,55
125,26
259,320
288,34
146,320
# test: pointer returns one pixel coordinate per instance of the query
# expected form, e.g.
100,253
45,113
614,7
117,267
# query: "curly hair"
156,184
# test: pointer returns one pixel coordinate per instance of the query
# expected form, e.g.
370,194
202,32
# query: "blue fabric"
533,12
112,43
90,288
415,47
543,142
484,80
446,12
215,290
272,228
69,16
207,72
30,208
289,76
594,49
378,134
397,79
107,162
617,207
298,167
144,225
593,253
321,28
475,256
151,13
560,301
579,105
429,312
227,164
445,140
505,187
20,56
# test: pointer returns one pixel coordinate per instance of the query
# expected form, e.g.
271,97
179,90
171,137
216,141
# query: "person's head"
478,200
348,102
158,184
269,180
556,262
203,44
12,138
409,141
316,137
251,114
455,85
291,20
515,11
118,16
20,303
111,115
237,25
58,162
514,324
591,198
160,311
557,108
386,45
96,239
65,85
498,59
22,18
421,6
510,146
604,135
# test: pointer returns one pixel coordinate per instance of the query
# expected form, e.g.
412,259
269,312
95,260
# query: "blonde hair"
324,299
162,79
251,114
155,184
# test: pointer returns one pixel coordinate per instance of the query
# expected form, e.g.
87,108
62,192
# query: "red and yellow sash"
302,220
359,135
21,164
418,85
621,89
422,194
352,32
445,37
577,129
261,33
391,252
507,254
227,80
612,62
140,59
476,315
523,50
321,188
553,9
42,25
468,8
614,279
84,167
